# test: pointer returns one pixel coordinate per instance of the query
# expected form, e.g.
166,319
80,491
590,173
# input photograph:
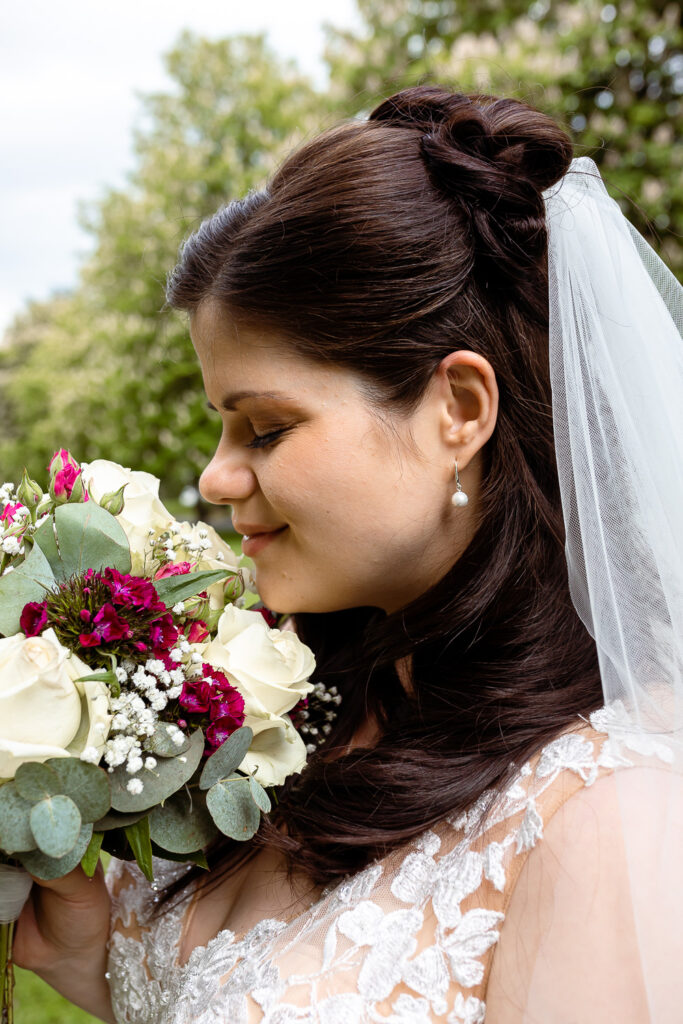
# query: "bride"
449,386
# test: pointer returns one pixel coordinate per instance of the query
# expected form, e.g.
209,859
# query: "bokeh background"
98,365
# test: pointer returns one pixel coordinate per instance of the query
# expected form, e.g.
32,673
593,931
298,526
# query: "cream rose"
142,509
45,711
271,669
215,554
276,751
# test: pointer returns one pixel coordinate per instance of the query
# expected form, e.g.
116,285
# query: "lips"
253,529
253,543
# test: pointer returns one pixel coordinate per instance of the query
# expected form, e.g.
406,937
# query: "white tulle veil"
617,387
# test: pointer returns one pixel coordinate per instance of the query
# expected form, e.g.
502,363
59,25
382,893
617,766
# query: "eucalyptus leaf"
157,783
114,819
86,784
138,837
160,743
84,536
27,582
35,781
182,824
173,589
91,857
56,825
197,857
48,868
232,808
15,821
259,795
226,758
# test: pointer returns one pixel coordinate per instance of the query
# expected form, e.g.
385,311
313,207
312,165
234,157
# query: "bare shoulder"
570,949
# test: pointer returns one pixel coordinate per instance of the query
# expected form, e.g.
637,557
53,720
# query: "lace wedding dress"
408,940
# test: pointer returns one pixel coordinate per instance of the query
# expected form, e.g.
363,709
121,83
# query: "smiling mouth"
263,533
253,543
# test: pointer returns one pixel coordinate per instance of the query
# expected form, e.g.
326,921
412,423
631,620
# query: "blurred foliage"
106,371
611,74
36,1003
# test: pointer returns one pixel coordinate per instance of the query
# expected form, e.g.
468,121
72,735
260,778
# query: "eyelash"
265,440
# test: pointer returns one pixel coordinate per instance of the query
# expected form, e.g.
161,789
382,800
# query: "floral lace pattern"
408,940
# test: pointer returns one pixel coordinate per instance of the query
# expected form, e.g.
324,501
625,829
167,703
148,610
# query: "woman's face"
343,505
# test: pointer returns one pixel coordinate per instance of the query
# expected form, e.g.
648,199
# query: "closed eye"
263,440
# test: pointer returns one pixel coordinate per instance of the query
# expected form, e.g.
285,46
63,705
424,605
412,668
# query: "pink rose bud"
60,460
173,569
67,485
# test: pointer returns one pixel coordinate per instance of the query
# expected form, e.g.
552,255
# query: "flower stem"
6,973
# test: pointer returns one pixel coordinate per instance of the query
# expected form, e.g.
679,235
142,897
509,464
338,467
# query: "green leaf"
87,537
227,757
114,820
178,588
138,837
197,857
250,599
232,807
28,582
90,858
157,783
259,795
56,825
15,821
182,824
161,745
47,868
86,784
36,781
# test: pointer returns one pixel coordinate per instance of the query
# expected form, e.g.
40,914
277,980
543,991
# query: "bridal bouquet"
143,699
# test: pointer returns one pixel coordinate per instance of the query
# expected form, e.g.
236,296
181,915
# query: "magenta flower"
132,590
197,631
196,695
110,625
7,514
163,633
90,639
34,618
173,569
219,730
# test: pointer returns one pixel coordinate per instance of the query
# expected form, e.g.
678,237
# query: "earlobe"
470,402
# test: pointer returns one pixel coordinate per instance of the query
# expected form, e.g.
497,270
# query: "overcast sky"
69,74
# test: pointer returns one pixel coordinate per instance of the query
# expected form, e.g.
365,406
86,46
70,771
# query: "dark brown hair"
381,246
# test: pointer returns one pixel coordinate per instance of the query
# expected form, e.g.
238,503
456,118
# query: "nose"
226,480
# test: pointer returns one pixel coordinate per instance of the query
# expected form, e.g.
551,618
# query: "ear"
468,394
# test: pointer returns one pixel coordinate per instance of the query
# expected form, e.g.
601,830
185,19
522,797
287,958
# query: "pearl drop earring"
459,499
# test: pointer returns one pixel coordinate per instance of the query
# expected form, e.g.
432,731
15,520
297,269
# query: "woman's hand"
62,935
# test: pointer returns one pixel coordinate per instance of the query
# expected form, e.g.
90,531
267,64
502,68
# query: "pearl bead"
459,499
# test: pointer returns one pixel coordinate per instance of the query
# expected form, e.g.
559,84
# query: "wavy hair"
382,246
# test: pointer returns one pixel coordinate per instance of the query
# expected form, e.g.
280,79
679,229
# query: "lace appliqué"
405,941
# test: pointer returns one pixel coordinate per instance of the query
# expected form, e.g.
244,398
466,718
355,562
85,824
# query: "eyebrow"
229,401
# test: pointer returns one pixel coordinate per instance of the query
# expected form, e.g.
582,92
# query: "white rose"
219,555
44,711
276,751
271,669
142,509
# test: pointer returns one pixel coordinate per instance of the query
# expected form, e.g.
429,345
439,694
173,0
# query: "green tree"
106,370
611,73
